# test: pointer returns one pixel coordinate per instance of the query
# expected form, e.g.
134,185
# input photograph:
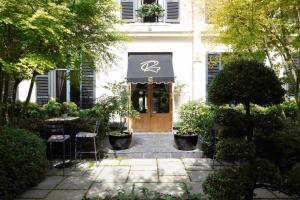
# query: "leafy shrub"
267,124
23,161
198,118
280,148
290,109
231,123
52,108
228,184
292,182
34,111
235,150
72,109
264,171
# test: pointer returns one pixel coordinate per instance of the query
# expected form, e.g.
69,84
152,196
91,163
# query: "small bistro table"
62,120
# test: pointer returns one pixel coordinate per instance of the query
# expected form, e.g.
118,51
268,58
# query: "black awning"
150,67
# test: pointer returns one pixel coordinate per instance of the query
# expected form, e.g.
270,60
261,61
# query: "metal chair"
55,133
87,135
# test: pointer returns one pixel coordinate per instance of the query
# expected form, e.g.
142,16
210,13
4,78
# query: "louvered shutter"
128,10
42,89
172,11
213,68
87,86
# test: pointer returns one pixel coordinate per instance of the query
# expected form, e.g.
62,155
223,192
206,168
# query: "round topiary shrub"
23,161
246,81
228,184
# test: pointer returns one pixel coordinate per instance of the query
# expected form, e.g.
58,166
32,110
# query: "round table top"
61,119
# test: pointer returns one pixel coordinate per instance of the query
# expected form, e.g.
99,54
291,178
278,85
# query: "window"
170,13
65,85
213,67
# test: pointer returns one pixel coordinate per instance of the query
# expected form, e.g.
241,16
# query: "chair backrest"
96,130
53,129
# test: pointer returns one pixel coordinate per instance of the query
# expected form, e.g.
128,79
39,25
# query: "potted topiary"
150,12
121,139
186,138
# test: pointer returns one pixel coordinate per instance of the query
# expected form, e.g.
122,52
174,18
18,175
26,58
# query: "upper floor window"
148,11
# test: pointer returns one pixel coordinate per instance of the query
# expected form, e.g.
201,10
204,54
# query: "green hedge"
23,161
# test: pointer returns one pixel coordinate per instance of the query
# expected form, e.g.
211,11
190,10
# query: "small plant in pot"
186,138
121,138
150,12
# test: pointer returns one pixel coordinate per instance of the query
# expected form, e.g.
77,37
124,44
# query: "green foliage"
228,184
119,102
52,108
147,194
72,109
150,10
290,109
292,182
232,150
246,81
23,161
267,124
232,123
264,171
281,148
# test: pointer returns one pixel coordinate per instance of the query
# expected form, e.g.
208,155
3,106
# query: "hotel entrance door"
154,102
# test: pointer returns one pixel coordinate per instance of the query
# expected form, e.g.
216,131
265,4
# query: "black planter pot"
120,142
186,142
150,19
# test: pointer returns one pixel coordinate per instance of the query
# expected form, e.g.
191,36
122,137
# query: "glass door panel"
139,97
160,98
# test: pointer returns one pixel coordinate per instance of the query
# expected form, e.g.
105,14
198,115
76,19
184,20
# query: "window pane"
160,99
75,86
61,86
139,97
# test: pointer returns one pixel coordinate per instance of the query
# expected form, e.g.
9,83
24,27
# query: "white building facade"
178,40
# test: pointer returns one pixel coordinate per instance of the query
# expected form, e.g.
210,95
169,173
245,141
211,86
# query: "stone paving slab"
49,183
75,183
113,175
108,189
174,179
139,162
34,194
198,176
66,195
143,176
118,174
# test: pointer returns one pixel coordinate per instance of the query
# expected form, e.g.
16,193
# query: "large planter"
186,142
120,142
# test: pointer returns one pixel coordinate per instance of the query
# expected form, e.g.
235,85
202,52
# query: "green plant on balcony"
150,10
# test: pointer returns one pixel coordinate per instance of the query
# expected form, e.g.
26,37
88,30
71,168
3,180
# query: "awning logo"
150,66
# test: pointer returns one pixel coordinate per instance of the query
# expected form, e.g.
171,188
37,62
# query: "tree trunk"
29,92
13,100
1,85
249,124
5,98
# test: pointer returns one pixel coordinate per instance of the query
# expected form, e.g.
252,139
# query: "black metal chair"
55,134
84,136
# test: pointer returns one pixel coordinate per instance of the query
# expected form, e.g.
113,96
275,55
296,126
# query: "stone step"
152,145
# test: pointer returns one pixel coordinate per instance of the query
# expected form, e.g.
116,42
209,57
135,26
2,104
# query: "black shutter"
172,11
87,86
42,89
213,67
128,10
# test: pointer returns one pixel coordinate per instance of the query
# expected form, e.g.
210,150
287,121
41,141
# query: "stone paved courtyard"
113,175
